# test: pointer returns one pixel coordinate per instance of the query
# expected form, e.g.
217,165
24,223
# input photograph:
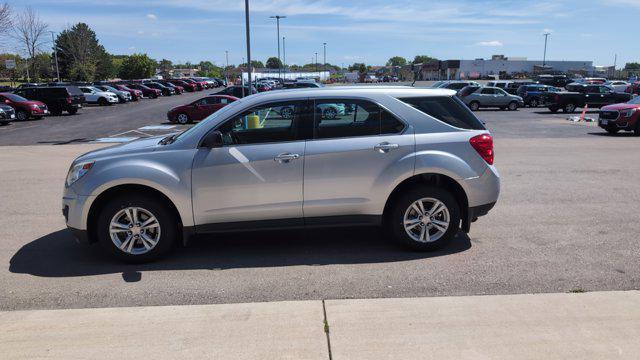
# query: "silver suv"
416,161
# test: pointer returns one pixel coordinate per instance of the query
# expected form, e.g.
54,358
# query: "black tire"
330,113
103,102
183,118
395,219
569,108
72,111
636,130
286,112
474,106
165,216
22,115
533,103
513,106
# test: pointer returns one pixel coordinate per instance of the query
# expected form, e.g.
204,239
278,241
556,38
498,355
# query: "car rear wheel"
183,118
533,103
330,113
103,102
513,106
136,228
22,115
71,111
287,113
569,108
474,106
425,218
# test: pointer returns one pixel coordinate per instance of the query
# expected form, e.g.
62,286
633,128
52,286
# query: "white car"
618,86
96,96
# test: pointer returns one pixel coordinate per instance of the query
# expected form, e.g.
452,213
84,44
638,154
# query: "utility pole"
316,61
226,69
324,57
55,51
278,17
246,16
544,57
284,56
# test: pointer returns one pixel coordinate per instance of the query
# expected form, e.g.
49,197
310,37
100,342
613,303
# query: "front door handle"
385,147
286,157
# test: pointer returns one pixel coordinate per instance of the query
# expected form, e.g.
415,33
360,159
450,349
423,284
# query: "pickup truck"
596,96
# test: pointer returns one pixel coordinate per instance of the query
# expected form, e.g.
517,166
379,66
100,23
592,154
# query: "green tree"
421,59
634,66
359,67
137,66
80,56
273,63
397,61
165,66
254,63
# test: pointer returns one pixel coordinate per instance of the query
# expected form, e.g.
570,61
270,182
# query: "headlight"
77,171
628,112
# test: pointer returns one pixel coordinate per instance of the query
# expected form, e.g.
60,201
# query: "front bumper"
75,209
619,123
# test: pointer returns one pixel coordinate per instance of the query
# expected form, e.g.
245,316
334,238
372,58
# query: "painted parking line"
114,139
157,127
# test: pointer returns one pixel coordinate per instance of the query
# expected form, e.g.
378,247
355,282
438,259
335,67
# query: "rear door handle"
385,147
286,157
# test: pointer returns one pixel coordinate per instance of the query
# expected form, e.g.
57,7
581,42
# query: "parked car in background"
177,88
456,84
619,86
57,98
188,86
146,91
621,117
164,90
237,91
302,85
532,94
578,83
199,109
595,96
635,88
485,97
123,96
24,109
553,80
197,85
94,95
7,114
135,94
263,86
244,167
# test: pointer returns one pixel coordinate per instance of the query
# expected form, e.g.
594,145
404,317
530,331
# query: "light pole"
55,51
316,61
226,69
246,16
278,17
284,56
324,57
544,57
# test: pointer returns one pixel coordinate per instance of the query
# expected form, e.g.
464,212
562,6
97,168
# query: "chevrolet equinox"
415,161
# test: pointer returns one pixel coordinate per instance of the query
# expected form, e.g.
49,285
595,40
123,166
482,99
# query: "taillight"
484,146
69,100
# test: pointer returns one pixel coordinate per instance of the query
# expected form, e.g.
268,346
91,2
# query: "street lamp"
316,61
284,56
544,57
278,17
55,51
226,69
324,59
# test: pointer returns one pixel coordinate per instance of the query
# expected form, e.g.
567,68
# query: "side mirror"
212,140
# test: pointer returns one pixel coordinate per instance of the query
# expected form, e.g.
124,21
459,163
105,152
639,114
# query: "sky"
369,31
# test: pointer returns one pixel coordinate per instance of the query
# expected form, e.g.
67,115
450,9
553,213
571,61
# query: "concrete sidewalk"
599,325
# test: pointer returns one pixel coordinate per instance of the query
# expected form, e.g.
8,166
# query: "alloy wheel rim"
134,230
330,113
426,220
183,119
513,106
21,116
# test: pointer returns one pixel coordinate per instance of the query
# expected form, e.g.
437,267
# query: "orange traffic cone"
584,112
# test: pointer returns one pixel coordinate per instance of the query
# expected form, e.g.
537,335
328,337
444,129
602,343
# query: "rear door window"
345,118
447,109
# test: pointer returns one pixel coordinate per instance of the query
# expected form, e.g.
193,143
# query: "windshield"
635,101
14,97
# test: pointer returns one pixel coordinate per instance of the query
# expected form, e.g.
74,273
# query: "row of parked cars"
36,100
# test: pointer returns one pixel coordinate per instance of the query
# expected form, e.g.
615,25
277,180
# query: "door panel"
245,183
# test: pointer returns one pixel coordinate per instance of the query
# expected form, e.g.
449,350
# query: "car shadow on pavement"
620,134
58,255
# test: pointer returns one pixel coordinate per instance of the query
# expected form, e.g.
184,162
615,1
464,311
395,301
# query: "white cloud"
494,43
152,17
547,31
132,48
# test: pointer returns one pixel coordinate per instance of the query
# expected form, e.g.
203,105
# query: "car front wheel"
513,106
425,219
533,103
474,106
183,118
136,228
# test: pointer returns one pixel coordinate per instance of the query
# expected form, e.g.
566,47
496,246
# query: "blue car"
533,94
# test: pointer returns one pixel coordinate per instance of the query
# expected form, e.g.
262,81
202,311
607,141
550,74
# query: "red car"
135,94
25,109
146,91
187,86
625,116
199,109
198,85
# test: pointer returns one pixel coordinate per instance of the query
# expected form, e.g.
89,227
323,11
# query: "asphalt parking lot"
567,220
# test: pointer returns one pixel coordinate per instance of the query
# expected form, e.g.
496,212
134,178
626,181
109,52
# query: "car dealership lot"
566,220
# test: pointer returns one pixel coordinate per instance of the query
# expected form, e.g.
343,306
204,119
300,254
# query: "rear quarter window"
447,109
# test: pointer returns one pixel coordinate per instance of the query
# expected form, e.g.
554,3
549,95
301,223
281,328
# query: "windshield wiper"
169,139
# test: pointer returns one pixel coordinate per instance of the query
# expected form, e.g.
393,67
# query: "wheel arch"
436,180
123,189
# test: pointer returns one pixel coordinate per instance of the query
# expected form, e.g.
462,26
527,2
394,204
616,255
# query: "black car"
595,96
166,91
57,98
237,91
7,113
553,80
